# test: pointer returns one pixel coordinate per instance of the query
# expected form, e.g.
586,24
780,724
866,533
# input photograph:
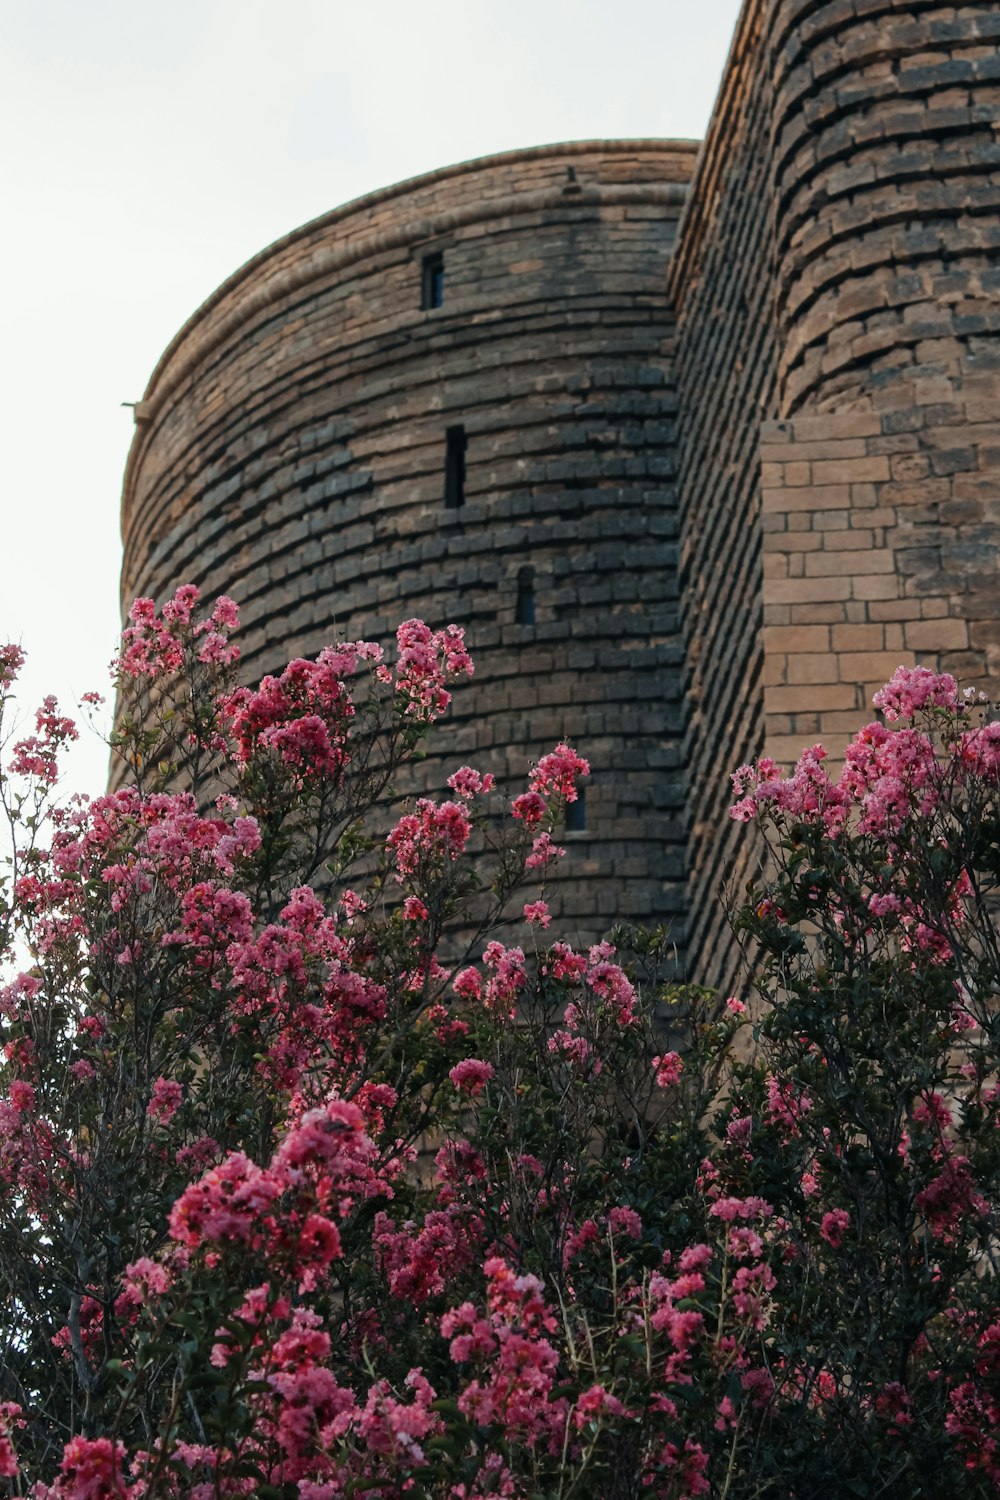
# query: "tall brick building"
697,442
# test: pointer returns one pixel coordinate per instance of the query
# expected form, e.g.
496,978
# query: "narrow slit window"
432,281
524,610
454,468
576,813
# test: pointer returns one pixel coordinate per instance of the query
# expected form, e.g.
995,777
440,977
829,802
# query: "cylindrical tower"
454,399
886,196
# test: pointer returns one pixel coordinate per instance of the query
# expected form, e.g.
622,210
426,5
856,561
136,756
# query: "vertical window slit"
454,467
432,281
524,610
576,813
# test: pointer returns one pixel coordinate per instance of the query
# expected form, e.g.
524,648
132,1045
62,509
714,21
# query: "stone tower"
698,443
454,399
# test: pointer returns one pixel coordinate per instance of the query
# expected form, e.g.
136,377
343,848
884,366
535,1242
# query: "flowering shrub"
874,1128
319,1181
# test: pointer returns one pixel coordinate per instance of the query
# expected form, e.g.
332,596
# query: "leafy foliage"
316,1184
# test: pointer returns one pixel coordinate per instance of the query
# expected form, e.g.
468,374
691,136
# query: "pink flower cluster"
426,660
155,645
434,833
553,780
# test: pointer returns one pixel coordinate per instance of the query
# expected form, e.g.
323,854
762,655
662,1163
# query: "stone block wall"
736,409
291,451
837,285
881,547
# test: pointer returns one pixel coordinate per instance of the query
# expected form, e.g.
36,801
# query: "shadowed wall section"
292,450
720,472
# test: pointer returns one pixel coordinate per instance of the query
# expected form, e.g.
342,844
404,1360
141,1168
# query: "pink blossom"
146,1278
468,984
834,1225
911,689
537,911
593,1404
543,852
91,1469
557,773
467,783
10,1418
623,1220
11,661
668,1069
165,1100
471,1075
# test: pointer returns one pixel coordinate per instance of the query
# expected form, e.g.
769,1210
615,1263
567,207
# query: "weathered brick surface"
752,451
291,452
933,553
837,285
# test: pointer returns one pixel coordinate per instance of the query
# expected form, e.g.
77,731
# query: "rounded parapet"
454,399
886,160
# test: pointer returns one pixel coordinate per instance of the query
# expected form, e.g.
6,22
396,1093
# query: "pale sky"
155,145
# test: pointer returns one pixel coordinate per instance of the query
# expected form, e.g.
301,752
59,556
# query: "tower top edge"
684,150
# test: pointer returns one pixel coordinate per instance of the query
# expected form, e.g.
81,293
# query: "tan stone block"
937,635
877,586
871,666
809,697
837,426
829,564
775,670
894,609
907,466
792,541
871,470
921,492
775,565
829,612
813,667
848,720
849,541
806,590
796,638
858,637
803,452
784,748
880,515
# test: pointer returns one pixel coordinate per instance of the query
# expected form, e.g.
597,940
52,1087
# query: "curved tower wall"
291,451
881,480
753,458
837,289
886,171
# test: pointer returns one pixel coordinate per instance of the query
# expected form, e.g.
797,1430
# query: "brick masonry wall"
752,452
722,285
291,452
837,285
881,539
886,162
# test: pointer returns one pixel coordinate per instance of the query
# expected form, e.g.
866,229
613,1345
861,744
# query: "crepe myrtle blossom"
667,1069
471,1075
268,1226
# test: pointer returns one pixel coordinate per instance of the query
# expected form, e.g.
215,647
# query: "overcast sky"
152,146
